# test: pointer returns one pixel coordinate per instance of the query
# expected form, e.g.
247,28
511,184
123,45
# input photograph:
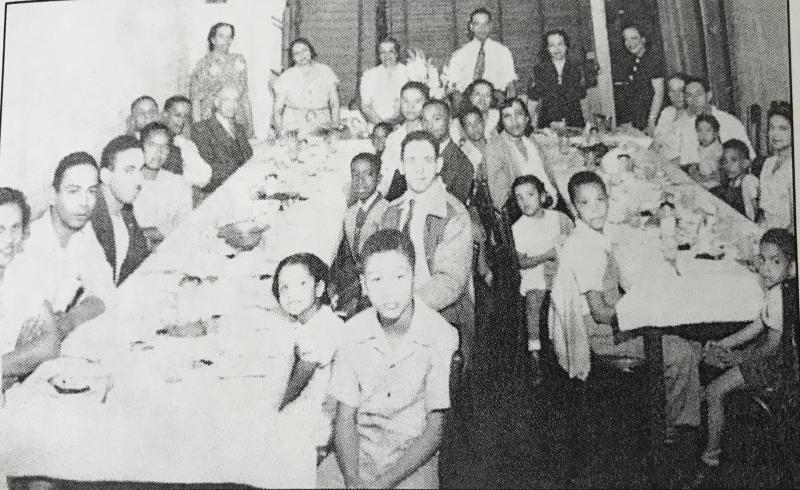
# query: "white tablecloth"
655,295
191,409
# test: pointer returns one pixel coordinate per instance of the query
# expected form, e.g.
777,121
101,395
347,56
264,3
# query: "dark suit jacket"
174,161
104,231
457,172
224,154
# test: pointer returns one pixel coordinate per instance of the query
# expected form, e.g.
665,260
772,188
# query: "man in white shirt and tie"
484,58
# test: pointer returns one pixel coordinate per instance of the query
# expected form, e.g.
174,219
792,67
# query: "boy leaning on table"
391,378
586,290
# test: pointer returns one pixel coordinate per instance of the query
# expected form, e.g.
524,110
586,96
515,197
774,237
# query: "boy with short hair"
363,218
583,315
441,230
738,188
391,378
709,151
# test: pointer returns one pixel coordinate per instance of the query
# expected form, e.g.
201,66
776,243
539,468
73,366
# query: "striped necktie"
480,63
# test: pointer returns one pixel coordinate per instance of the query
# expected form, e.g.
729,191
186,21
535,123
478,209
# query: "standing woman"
306,94
639,103
218,69
512,154
558,92
381,85
776,195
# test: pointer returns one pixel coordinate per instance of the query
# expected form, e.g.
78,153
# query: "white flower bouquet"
420,69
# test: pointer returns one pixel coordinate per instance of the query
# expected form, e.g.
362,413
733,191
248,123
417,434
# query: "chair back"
789,344
754,116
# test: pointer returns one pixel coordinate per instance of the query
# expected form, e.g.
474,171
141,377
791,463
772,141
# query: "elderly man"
222,141
483,57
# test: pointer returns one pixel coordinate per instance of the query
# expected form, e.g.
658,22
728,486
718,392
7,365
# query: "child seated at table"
299,286
378,136
709,151
363,218
583,314
738,188
751,357
536,234
391,378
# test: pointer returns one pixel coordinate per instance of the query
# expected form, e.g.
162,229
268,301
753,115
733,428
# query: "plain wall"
758,34
72,68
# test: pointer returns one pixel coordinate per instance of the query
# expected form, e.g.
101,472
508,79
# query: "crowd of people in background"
403,274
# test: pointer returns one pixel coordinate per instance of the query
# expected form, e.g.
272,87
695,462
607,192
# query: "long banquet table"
662,294
192,410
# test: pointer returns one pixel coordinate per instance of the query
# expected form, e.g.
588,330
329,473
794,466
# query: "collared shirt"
381,87
121,235
559,64
587,251
390,159
499,68
474,154
367,203
393,389
225,124
776,196
668,131
163,202
47,272
432,202
729,128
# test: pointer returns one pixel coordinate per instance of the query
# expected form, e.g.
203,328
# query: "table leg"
656,394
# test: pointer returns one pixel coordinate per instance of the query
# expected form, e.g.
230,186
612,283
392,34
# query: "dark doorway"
620,13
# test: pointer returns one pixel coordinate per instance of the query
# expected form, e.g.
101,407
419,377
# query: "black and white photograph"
398,244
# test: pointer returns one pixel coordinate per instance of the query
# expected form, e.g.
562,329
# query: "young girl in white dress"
537,233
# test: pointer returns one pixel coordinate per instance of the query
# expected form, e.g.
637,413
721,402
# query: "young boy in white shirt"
391,378
587,253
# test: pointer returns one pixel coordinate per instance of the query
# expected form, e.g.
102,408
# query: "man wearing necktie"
441,230
483,58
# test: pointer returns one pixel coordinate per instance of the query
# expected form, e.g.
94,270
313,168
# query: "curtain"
682,36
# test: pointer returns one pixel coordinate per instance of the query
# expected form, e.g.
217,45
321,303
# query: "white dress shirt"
499,68
46,272
164,202
225,124
390,159
380,87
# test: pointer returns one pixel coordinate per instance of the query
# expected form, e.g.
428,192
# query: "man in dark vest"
113,220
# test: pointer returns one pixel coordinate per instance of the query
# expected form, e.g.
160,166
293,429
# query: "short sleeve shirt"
393,390
588,252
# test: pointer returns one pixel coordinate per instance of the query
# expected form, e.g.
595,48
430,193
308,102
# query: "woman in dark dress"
558,92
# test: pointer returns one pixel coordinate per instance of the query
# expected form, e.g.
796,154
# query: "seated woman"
776,194
217,69
479,93
306,96
380,85
22,347
558,91
512,153
750,357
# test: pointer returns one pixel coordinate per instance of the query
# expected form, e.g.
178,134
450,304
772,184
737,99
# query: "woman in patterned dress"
216,70
306,94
